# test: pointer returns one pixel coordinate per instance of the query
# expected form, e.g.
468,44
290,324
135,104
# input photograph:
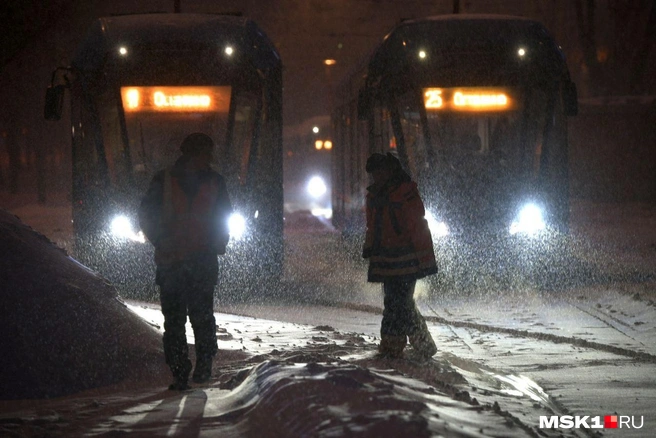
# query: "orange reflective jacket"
181,224
398,241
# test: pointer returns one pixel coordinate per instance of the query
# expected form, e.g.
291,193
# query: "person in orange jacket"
184,215
399,247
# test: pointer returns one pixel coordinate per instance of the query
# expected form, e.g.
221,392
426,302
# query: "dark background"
609,46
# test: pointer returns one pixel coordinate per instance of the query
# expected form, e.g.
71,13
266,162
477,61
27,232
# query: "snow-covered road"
590,356
506,357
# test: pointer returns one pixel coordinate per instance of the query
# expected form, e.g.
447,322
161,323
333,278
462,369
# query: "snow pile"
341,399
313,392
64,328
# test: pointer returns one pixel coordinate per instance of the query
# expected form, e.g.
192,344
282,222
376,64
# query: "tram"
476,108
139,84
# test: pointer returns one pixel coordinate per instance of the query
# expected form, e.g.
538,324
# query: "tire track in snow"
637,355
603,319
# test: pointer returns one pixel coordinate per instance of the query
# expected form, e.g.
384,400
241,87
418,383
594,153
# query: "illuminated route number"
433,99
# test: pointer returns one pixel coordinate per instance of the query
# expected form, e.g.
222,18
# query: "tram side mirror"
570,99
364,104
54,102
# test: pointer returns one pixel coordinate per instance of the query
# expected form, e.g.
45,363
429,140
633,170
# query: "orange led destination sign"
176,99
468,99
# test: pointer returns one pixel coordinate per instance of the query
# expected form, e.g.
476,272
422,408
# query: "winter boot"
203,370
179,384
180,373
391,346
423,344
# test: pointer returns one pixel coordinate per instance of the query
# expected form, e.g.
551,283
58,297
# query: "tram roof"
388,57
462,32
522,23
157,29
462,17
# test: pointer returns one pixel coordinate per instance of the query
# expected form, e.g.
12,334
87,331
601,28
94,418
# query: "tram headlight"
530,220
122,227
316,187
236,226
437,228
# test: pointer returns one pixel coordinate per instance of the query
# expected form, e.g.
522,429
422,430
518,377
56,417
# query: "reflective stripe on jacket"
398,241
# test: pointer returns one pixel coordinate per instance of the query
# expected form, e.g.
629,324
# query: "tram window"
243,150
537,116
108,109
415,145
87,160
466,135
100,138
155,139
384,140
154,135
510,140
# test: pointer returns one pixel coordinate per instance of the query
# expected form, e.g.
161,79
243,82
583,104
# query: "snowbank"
64,328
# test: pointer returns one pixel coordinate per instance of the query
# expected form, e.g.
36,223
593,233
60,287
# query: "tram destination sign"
468,99
176,99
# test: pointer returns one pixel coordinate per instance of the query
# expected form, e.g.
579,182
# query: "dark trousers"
187,288
400,316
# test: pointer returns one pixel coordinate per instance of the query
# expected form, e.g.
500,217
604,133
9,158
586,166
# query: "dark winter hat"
375,162
196,143
393,162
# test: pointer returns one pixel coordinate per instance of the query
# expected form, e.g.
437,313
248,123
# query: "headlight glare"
437,228
316,187
237,226
122,227
529,221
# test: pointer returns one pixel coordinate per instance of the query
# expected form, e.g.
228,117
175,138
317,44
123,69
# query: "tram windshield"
158,118
485,142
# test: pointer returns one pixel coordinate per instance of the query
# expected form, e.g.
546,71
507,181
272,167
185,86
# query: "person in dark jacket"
185,215
399,247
